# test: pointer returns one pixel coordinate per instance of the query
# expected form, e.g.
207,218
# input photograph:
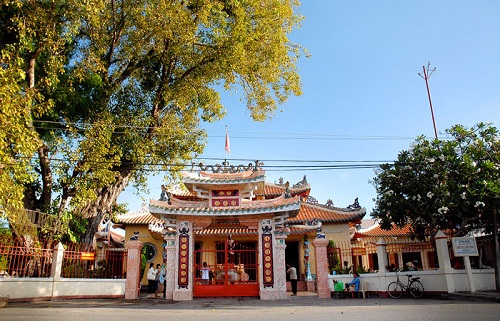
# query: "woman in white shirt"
151,279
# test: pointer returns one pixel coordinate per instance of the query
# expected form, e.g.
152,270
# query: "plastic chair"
364,289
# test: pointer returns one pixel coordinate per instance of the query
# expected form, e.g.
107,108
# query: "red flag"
228,146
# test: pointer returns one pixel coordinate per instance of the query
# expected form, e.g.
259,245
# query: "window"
149,250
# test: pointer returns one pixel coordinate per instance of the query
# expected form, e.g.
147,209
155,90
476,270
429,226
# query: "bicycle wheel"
416,289
394,290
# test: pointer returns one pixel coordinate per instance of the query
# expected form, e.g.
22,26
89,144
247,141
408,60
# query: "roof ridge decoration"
329,204
226,168
302,183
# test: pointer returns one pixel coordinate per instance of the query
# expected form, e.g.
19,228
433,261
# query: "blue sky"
362,97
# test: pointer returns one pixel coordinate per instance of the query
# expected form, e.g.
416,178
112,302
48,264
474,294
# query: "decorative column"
184,264
267,264
170,248
280,265
132,284
307,265
320,253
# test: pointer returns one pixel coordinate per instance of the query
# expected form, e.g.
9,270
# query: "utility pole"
427,74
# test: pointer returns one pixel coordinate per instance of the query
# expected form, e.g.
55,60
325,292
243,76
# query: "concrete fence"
444,279
56,287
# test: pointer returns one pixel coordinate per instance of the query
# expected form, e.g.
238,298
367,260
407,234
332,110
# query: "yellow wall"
146,237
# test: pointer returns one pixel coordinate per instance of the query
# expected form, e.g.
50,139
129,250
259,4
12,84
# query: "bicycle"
414,286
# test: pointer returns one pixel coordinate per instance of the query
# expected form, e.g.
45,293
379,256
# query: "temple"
245,229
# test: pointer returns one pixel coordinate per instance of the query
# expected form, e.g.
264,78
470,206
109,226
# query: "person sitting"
355,282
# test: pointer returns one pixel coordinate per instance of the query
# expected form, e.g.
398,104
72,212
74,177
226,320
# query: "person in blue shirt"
355,281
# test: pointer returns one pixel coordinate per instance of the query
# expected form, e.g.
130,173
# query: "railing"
344,257
82,261
22,261
79,261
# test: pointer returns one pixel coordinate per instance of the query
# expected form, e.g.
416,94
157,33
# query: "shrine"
228,232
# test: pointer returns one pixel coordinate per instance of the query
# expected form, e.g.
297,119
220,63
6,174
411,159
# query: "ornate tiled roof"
148,219
139,219
326,214
275,205
243,231
240,231
377,231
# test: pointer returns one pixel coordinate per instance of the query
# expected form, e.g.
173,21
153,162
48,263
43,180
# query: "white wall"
433,281
48,288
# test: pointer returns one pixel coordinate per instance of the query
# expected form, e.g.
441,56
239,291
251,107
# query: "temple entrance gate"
233,269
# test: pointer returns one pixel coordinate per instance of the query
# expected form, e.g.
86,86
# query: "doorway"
233,270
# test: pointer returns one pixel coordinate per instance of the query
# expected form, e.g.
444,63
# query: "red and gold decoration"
225,198
183,279
267,259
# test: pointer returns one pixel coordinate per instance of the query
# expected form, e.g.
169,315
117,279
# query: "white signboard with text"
464,246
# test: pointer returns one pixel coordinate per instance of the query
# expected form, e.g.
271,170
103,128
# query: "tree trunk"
47,179
96,210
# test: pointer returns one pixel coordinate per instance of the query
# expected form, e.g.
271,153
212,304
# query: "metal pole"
426,78
430,100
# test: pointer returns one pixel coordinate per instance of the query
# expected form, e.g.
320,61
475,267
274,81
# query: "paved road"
292,309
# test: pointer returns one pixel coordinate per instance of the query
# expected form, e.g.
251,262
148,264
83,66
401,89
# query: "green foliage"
334,263
103,94
75,227
4,263
442,184
74,269
5,233
144,260
362,269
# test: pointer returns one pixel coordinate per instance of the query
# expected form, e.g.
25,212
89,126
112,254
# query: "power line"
325,165
240,134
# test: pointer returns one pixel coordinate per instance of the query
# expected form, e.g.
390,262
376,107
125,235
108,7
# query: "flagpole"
227,146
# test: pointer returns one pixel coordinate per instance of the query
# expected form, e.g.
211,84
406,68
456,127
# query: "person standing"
205,274
162,279
292,271
151,276
157,279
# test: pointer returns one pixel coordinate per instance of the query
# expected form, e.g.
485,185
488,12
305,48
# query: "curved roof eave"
160,211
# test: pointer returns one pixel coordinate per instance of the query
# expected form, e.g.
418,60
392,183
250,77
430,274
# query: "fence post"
382,263
57,260
382,256
322,272
444,260
132,285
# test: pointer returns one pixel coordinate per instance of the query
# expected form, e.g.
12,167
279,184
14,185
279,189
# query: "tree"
451,185
32,32
139,78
